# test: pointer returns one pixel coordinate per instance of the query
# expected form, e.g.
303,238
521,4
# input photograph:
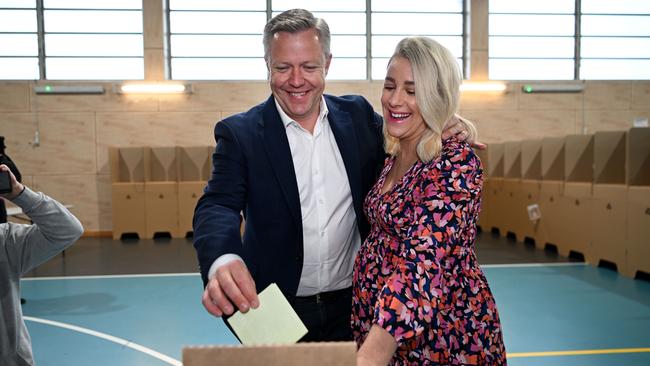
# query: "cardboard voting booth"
551,189
195,166
638,201
161,191
609,198
576,202
127,186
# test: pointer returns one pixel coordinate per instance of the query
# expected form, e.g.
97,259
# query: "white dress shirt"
330,234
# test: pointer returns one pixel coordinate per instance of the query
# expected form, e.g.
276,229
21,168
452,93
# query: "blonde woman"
419,295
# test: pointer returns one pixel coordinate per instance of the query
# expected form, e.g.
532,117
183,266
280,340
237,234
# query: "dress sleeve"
442,208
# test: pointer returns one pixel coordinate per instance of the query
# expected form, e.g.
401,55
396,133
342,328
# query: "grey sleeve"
54,229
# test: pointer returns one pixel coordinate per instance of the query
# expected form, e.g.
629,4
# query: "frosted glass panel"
531,69
519,6
531,25
18,45
615,25
86,21
616,6
615,47
217,22
418,5
93,4
417,23
217,45
25,4
532,47
219,69
18,21
344,23
380,64
24,68
384,46
217,5
347,69
93,45
615,69
94,68
348,46
320,5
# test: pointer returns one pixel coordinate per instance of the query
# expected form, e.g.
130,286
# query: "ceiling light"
483,86
150,88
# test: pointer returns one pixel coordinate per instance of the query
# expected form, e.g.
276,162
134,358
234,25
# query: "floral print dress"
416,275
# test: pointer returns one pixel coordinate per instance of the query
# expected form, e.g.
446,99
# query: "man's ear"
328,60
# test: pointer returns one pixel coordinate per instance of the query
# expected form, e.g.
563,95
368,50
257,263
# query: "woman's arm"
378,349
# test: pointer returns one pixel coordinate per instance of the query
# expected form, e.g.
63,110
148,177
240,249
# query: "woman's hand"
378,349
456,127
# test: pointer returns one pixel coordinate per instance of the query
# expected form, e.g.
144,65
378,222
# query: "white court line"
109,276
120,341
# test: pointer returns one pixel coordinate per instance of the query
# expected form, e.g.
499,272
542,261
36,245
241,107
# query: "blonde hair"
437,92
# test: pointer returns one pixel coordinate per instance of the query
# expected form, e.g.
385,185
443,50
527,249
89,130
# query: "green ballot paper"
273,322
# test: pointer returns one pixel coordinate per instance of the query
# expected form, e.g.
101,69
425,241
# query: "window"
93,40
615,39
531,40
19,40
217,40
233,33
392,20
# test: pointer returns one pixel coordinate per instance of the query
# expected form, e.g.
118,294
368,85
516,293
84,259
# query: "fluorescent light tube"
150,88
483,86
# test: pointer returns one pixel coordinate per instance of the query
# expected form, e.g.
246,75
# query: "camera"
5,182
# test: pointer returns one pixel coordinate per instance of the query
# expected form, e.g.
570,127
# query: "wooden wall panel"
18,130
239,96
610,95
14,97
640,95
80,191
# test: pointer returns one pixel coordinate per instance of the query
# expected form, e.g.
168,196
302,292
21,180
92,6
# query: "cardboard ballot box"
308,354
551,189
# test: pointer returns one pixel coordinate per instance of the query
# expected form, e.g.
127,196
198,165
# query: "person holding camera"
6,160
22,248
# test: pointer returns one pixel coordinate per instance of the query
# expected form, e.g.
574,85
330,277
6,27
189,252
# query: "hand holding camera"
9,186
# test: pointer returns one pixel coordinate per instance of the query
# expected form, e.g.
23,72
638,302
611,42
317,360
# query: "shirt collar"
286,120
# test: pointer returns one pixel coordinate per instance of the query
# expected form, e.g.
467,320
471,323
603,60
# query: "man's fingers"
209,305
247,286
229,277
218,295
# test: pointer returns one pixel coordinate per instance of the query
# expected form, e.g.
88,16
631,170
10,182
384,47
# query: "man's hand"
231,284
16,187
456,127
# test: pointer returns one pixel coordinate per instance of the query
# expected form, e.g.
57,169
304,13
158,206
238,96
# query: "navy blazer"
253,173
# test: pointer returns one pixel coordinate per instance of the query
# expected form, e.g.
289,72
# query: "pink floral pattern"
417,276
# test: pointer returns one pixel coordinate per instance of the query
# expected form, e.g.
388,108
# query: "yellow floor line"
578,353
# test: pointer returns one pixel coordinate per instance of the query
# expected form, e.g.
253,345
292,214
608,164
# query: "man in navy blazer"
298,168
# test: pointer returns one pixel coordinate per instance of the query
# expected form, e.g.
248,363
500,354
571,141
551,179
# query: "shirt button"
321,201
322,233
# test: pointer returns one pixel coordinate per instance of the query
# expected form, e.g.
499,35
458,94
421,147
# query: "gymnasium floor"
137,302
